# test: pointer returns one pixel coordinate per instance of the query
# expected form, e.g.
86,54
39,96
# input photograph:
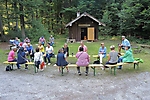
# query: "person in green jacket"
128,56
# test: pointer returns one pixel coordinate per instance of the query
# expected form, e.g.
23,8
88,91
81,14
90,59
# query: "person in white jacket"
38,56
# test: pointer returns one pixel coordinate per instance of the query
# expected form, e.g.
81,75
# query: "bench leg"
115,70
93,70
111,70
137,64
12,66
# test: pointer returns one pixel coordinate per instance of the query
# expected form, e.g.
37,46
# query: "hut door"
91,33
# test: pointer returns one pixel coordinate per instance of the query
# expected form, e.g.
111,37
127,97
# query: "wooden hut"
84,27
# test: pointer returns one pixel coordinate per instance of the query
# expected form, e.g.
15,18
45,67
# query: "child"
38,57
61,61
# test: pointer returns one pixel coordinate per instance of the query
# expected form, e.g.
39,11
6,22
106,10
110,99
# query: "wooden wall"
75,30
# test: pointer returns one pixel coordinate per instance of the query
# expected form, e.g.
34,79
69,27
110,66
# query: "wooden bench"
136,63
95,56
29,63
10,46
93,66
71,40
74,56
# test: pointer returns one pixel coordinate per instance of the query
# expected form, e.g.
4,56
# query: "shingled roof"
84,14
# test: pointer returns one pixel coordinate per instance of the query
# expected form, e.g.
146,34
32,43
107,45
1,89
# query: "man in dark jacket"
21,58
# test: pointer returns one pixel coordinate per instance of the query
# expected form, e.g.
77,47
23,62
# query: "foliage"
38,17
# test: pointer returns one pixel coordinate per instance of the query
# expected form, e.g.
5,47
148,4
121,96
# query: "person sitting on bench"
128,56
83,60
102,52
21,58
113,56
11,55
124,43
49,53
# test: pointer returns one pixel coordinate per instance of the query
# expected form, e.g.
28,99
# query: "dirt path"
50,85
4,45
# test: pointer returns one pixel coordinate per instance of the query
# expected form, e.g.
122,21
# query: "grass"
93,48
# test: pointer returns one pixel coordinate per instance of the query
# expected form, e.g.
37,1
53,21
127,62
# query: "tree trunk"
22,21
1,30
7,14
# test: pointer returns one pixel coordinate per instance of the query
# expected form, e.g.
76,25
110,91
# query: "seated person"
25,45
41,47
66,49
21,58
83,46
16,42
102,52
27,40
42,40
30,51
51,40
124,43
61,61
11,55
49,53
82,60
128,56
113,56
11,41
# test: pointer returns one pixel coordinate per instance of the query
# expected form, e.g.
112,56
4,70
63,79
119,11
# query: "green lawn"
92,50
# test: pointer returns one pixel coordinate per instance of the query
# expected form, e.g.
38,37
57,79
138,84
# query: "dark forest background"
35,18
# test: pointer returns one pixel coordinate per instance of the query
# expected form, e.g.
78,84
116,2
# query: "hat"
123,36
14,47
102,43
112,46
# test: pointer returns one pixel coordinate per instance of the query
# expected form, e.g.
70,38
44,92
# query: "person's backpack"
8,68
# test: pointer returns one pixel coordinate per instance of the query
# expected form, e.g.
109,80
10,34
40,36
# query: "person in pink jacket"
82,60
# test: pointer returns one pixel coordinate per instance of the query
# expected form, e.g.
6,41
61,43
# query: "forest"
43,17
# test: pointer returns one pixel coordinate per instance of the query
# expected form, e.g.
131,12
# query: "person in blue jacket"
30,51
125,42
21,58
61,60
102,52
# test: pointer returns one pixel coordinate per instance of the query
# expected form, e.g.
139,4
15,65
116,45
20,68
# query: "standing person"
124,43
21,58
42,40
61,60
102,52
83,46
128,56
113,56
51,40
38,56
30,51
27,40
66,49
82,60
49,53
41,47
